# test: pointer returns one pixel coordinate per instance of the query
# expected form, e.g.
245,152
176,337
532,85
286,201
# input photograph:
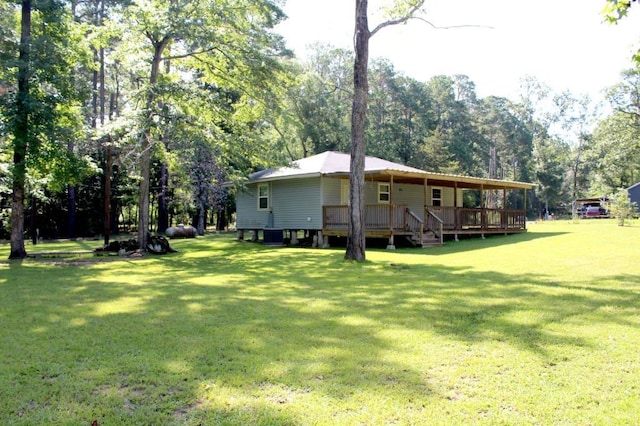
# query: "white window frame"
381,192
439,199
264,197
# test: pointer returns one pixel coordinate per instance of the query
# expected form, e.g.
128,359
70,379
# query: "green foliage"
550,157
316,114
621,206
616,151
615,10
226,82
55,119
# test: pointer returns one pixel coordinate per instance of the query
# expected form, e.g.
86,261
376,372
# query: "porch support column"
391,245
524,209
483,211
504,208
426,193
455,194
456,216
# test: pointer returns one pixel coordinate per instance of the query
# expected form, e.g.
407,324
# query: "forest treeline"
118,115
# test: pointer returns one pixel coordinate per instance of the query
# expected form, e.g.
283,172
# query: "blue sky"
563,43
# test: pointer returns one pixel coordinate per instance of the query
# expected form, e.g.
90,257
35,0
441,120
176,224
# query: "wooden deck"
479,220
386,221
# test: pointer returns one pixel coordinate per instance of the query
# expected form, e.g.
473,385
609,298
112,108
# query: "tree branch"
188,54
410,15
398,21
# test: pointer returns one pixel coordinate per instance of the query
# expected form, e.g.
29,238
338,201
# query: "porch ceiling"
438,179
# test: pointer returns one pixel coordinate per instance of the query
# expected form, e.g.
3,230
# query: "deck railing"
377,216
414,224
458,218
437,219
434,224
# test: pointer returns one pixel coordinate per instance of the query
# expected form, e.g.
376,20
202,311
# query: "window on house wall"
384,193
263,196
436,197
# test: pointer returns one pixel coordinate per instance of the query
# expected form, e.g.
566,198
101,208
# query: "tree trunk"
163,209
107,192
145,165
201,225
356,228
21,137
71,211
34,221
163,202
221,219
145,156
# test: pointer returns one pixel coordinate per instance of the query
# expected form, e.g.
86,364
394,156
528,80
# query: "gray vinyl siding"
446,194
447,197
247,214
331,188
370,193
634,194
410,195
296,203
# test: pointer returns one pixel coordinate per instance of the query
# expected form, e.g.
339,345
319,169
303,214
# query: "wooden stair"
430,239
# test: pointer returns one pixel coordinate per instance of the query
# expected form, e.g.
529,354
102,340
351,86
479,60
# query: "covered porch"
437,207
428,228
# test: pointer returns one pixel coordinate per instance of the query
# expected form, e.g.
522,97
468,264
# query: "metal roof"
337,164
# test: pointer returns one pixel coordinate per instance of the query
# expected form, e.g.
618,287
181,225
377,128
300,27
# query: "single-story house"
634,194
312,195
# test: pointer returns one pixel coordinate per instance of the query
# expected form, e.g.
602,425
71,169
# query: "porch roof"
337,164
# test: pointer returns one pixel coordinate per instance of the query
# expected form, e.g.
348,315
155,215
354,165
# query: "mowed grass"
540,328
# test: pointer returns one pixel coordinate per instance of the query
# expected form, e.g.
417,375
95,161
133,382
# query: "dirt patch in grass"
78,260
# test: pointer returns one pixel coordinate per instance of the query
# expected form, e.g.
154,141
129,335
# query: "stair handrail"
414,223
433,221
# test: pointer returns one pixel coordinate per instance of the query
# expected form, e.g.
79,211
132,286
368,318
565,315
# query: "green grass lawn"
540,328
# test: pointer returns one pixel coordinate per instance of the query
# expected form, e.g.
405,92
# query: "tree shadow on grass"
240,333
495,240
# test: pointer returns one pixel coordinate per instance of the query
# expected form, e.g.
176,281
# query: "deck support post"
455,238
293,237
240,234
254,235
320,240
391,245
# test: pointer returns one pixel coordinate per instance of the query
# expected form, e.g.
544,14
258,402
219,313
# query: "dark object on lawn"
156,245
181,231
118,246
159,245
